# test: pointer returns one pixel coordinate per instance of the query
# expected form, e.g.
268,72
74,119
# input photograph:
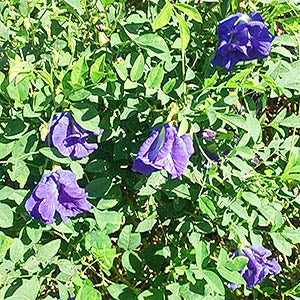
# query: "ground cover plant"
149,149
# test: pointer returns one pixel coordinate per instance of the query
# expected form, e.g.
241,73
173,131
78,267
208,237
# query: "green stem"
183,74
119,11
202,151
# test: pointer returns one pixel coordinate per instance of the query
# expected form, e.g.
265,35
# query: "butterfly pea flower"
207,134
57,192
242,38
258,266
164,150
69,138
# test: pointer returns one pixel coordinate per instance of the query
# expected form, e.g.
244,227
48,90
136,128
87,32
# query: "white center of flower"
243,18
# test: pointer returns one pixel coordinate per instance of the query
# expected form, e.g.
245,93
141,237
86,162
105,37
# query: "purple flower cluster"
242,38
258,266
164,150
57,192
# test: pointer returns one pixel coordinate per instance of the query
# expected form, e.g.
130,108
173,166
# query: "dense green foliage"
148,237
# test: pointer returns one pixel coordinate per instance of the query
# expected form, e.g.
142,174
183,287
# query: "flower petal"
260,251
225,26
47,210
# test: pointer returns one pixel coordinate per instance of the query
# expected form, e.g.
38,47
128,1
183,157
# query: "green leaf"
20,172
16,251
239,76
54,155
29,288
5,243
237,264
132,262
79,72
88,292
5,192
66,266
98,187
154,45
146,225
121,71
291,79
107,2
292,234
128,240
231,276
79,95
19,91
105,256
214,281
155,77
17,298
110,221
98,240
121,292
233,120
253,127
2,77
97,69
184,32
86,115
6,147
208,82
270,82
34,232
281,243
244,152
295,291
169,86
15,128
251,198
3,32
49,250
46,77
207,207
184,127
137,70
6,216
201,254
292,121
77,169
76,5
164,17
190,11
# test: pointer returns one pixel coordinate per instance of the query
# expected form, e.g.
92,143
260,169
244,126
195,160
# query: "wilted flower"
255,161
164,150
57,192
211,152
207,134
258,266
242,38
69,138
214,157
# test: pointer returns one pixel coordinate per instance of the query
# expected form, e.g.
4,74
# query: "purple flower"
164,150
207,134
242,38
258,266
57,192
69,138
